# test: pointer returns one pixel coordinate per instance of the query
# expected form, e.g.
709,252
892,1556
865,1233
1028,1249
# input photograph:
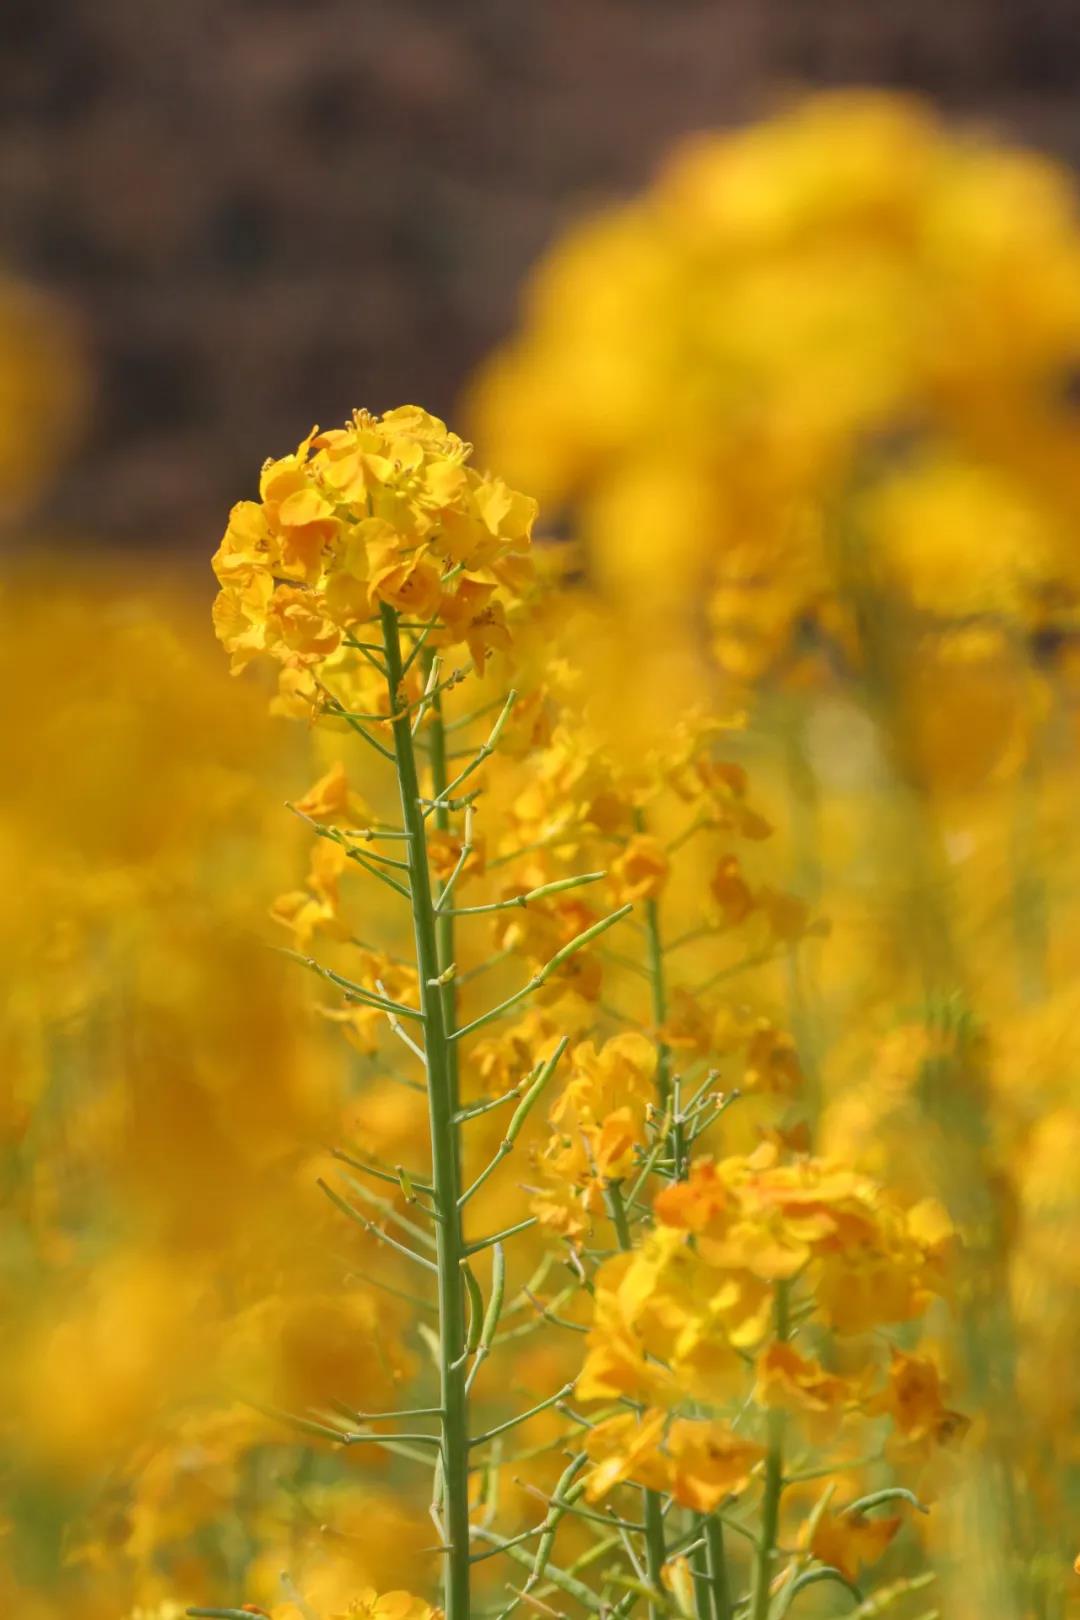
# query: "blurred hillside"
267,212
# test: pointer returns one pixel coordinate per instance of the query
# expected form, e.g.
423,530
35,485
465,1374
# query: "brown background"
265,213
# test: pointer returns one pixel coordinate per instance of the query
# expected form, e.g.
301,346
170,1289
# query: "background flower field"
795,662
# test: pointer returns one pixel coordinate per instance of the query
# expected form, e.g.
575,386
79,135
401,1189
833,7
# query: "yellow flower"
708,1462
370,1605
597,1123
697,1462
408,581
868,1261
796,1384
603,1078
914,1399
640,871
678,1578
772,1060
445,850
847,1541
307,912
472,615
626,1447
294,621
330,800
731,891
688,1027
383,510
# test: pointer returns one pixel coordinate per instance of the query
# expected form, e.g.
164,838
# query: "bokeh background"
222,222
262,214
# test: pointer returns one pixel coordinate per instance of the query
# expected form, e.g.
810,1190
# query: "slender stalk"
652,1514
710,1579
542,975
444,925
500,1237
658,989
654,953
1030,893
521,1417
218,1614
482,753
552,1573
774,1484
442,1106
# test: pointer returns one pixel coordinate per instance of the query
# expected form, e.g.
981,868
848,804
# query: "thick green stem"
703,1604
442,1106
717,1567
774,1484
617,1210
654,1549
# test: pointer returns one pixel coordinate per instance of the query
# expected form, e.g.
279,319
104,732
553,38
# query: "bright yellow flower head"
385,510
675,1317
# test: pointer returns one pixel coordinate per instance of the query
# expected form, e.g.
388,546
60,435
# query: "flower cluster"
386,510
747,1254
861,329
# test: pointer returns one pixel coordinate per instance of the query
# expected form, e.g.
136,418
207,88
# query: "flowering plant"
375,552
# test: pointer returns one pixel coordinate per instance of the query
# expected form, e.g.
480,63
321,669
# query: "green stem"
654,953
703,1604
442,1106
1029,888
654,1549
774,1485
653,1509
617,1209
717,1567
444,926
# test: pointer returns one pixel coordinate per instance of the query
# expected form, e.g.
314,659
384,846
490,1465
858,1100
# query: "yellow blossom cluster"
385,510
837,342
747,1253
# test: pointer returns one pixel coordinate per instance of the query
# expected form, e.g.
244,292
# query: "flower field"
542,1034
